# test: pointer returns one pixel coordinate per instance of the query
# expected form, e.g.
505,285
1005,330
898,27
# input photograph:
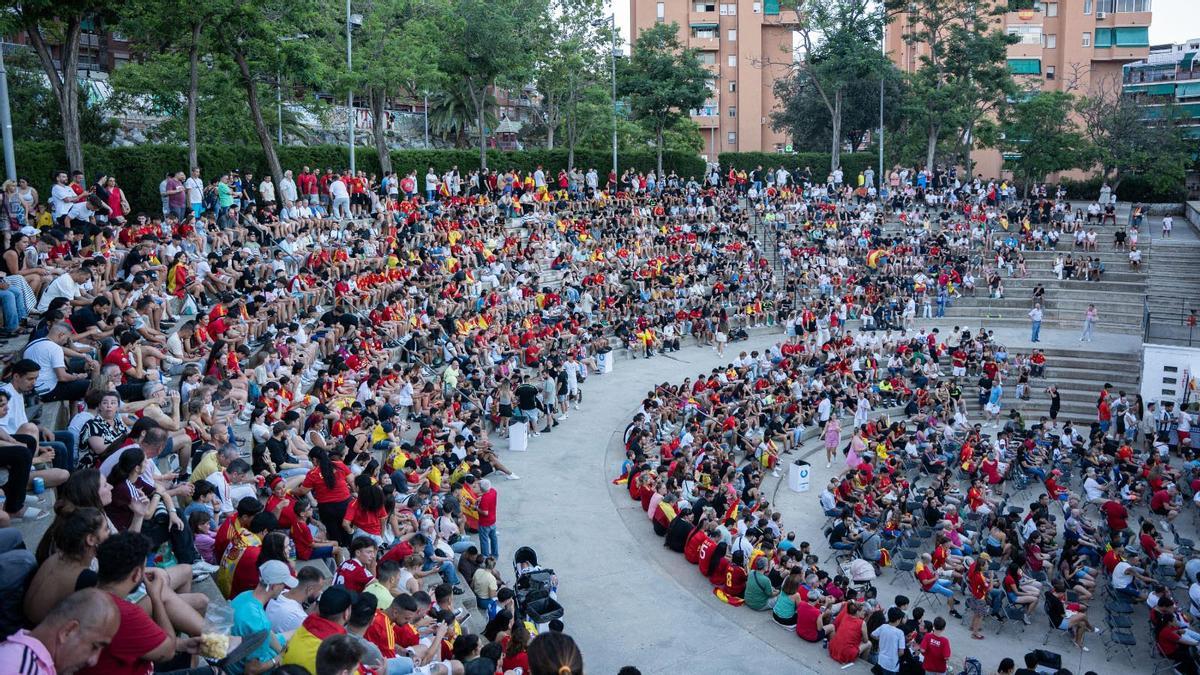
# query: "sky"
1174,20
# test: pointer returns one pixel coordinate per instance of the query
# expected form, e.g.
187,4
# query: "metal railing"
1171,321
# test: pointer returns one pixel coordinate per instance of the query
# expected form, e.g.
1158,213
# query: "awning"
1025,66
1154,89
1132,36
712,26
1189,90
1186,63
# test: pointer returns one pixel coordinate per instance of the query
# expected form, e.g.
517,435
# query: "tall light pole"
10,160
426,119
350,69
279,87
882,51
612,19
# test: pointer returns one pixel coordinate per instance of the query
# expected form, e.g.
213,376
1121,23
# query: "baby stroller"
535,589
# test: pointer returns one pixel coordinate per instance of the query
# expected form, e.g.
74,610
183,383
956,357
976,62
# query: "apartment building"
1166,82
1068,45
747,45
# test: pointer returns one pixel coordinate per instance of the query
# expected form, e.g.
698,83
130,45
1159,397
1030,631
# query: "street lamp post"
279,86
350,94
883,51
10,161
426,120
612,19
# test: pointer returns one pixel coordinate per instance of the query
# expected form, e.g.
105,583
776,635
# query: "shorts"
1165,558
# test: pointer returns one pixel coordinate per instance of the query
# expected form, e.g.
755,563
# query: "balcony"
705,44
1119,53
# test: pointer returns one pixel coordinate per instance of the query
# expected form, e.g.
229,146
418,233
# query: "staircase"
1119,297
1079,374
1172,291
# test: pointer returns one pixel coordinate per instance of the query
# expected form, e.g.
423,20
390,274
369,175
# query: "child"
303,536
205,501
202,534
365,515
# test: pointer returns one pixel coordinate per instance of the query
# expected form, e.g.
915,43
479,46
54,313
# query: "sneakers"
32,513
458,591
513,476
203,567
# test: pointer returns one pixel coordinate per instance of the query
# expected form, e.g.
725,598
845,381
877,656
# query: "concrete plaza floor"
630,601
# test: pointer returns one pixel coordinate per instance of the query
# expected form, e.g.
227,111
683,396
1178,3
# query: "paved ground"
630,601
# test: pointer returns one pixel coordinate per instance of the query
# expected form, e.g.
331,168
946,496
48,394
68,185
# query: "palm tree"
450,114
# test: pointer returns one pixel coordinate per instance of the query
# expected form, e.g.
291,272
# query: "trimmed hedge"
139,169
1131,189
852,162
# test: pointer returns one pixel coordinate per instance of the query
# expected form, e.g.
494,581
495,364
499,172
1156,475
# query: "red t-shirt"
367,521
398,552
1159,500
287,515
324,494
245,575
118,356
303,539
1149,546
353,575
1116,514
936,649
487,509
136,635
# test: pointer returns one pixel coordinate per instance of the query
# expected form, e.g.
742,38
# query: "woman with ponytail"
329,481
554,654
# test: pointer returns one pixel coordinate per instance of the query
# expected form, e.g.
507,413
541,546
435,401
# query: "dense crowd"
293,390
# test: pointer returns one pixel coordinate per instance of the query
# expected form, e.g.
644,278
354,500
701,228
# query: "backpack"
972,667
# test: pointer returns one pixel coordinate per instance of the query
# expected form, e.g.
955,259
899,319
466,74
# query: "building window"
704,6
1026,35
660,11
1051,41
731,60
1087,6
708,32
732,37
707,58
1049,72
1051,9
732,86
733,111
756,7
1086,40
731,137
728,10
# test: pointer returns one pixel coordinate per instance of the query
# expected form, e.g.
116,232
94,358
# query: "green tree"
840,39
662,81
153,26
58,27
1124,144
962,77
249,32
572,60
492,43
403,38
35,108
805,117
1040,136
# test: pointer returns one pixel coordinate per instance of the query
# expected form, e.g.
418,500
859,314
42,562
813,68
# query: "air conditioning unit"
1100,16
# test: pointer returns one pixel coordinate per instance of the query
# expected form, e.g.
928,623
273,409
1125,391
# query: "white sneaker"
828,465
513,476
203,567
33,513
775,473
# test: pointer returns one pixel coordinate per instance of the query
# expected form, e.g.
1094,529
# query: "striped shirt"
23,654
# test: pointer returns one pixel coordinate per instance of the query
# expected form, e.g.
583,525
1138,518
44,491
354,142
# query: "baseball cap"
335,600
277,572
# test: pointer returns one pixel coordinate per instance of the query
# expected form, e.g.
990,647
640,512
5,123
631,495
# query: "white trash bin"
799,473
605,361
518,437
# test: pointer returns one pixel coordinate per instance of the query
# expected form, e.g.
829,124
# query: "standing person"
1167,222
1055,404
195,192
935,649
68,639
891,642
340,196
1035,319
833,436
329,481
489,542
1090,317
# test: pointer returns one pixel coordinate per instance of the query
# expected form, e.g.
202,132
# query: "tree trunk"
64,83
835,152
550,133
659,149
193,94
479,99
381,145
260,126
571,134
931,146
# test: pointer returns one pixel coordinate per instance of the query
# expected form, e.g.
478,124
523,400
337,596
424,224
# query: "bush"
139,169
1131,189
852,162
